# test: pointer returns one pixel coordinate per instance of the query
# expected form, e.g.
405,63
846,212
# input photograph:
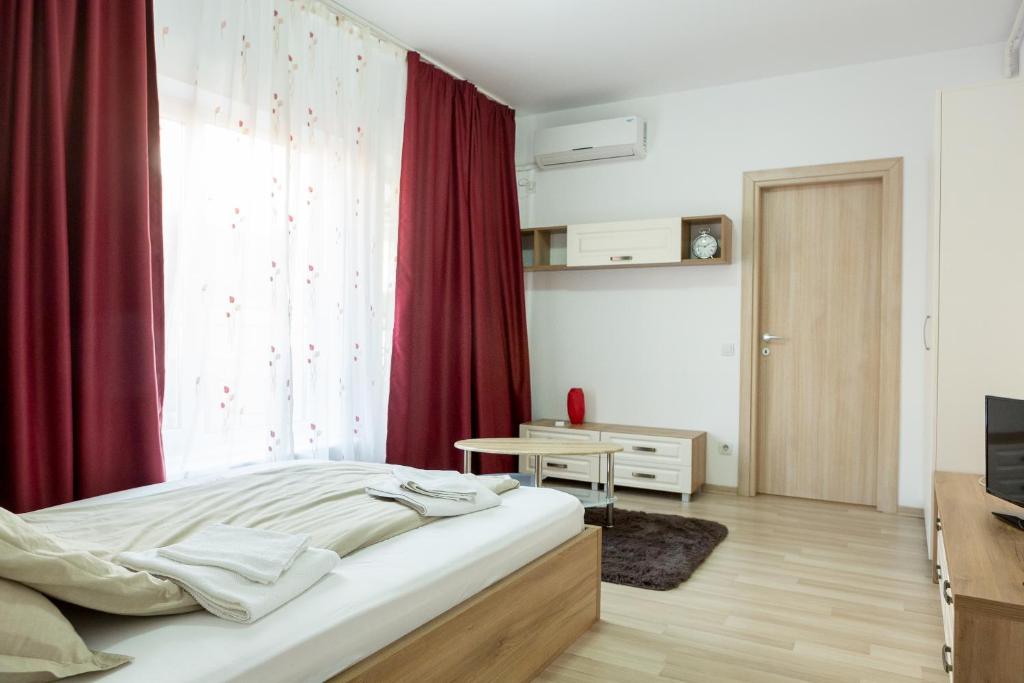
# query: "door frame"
890,172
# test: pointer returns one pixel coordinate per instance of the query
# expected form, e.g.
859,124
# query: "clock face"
704,246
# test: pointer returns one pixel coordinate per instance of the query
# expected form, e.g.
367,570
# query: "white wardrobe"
974,332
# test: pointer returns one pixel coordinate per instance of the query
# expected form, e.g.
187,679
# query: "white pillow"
38,644
39,561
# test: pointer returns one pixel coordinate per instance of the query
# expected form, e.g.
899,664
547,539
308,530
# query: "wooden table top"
986,556
510,446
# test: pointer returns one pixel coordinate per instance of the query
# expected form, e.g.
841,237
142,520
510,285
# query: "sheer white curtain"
281,138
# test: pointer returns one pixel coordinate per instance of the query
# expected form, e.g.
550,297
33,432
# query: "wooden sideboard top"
621,429
986,556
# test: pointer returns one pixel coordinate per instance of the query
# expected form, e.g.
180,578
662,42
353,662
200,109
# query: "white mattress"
374,597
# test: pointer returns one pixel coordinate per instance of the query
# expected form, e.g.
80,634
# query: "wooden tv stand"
979,566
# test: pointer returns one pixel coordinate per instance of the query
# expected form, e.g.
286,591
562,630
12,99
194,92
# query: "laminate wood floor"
800,590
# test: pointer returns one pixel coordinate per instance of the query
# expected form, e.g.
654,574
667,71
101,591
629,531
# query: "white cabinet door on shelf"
658,240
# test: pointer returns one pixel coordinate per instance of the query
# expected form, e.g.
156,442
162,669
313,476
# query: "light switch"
728,349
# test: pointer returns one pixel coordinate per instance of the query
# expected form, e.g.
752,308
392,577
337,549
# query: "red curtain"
81,281
460,365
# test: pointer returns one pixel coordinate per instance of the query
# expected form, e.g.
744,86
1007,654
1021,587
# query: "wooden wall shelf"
544,248
540,244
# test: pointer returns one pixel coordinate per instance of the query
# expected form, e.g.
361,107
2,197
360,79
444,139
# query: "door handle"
770,338
924,332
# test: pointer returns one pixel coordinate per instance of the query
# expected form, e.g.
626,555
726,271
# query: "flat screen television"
1004,453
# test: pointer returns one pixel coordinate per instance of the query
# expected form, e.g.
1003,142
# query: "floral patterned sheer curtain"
281,134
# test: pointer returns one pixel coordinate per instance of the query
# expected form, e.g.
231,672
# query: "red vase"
576,405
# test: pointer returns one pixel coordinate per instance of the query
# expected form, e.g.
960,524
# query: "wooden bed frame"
508,632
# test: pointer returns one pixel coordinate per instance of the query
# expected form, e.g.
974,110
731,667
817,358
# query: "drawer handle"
645,449
620,258
946,595
558,465
947,662
644,475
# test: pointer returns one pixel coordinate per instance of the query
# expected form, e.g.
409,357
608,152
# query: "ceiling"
544,55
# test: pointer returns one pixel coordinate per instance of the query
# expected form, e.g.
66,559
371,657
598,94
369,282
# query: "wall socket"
724,449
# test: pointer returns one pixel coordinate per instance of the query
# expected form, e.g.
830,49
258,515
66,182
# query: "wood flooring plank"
800,590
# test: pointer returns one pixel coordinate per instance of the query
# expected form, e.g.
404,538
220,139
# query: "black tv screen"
1004,448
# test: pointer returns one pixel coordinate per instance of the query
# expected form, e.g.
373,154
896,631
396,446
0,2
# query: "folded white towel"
432,506
257,554
486,488
446,484
228,595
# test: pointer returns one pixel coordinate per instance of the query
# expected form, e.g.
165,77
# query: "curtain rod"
373,28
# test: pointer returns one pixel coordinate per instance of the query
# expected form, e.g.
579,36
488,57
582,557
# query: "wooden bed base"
508,632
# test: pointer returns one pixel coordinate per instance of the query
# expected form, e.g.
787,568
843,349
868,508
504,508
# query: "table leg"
467,462
538,465
609,489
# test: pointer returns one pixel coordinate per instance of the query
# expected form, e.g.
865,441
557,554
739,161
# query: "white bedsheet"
372,598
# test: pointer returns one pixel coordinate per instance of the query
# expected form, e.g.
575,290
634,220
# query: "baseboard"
911,512
716,488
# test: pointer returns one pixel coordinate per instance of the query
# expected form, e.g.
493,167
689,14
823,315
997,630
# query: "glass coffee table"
538,449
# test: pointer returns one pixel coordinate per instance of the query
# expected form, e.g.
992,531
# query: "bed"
502,591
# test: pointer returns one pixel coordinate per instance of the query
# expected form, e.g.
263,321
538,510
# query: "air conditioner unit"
582,143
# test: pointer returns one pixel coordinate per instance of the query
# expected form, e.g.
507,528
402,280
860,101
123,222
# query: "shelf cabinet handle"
645,449
938,524
938,571
558,465
644,475
617,259
947,664
946,594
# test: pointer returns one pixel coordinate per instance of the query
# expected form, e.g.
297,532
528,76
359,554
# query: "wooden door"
818,388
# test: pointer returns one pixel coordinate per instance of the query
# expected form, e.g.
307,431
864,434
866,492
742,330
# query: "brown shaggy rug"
657,552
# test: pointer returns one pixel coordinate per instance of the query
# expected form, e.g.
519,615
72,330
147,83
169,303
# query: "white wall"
646,344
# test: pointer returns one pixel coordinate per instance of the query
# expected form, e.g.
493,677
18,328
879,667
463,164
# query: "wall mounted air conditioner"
582,143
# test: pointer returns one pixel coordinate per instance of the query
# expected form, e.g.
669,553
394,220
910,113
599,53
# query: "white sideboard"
652,458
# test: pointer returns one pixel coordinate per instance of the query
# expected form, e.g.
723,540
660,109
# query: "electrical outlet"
725,449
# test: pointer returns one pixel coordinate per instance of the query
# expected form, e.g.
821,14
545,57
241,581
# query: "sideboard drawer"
650,477
650,450
569,467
